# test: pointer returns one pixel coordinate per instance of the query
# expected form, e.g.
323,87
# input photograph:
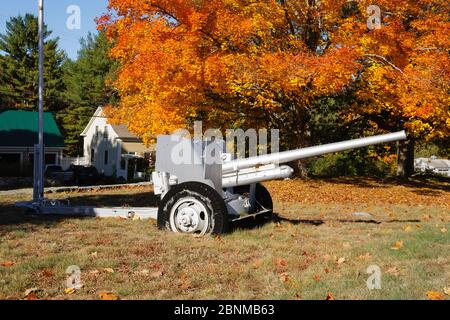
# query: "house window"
92,155
106,157
105,133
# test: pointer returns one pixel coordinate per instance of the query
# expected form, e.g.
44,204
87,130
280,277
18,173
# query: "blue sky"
56,17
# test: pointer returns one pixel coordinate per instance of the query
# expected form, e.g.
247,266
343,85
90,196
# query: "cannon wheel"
263,198
195,208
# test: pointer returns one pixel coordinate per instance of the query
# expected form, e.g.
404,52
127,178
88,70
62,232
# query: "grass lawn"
318,246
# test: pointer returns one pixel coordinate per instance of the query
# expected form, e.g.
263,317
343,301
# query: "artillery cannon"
203,194
202,190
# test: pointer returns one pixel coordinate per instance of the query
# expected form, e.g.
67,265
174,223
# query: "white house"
114,150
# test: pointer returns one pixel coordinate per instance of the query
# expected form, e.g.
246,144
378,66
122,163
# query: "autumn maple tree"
254,62
406,70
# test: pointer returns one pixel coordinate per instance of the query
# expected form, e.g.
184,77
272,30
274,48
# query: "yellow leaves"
408,229
340,260
109,270
106,295
433,295
70,291
218,50
366,256
397,246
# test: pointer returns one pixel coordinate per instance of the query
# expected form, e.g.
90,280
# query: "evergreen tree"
19,58
88,86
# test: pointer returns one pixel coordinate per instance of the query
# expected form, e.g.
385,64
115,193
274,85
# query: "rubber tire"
263,197
217,209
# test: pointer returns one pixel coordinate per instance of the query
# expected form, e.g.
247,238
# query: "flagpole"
41,101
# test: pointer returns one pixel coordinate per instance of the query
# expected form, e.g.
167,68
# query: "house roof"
121,130
19,128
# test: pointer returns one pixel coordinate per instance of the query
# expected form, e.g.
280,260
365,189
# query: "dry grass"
296,257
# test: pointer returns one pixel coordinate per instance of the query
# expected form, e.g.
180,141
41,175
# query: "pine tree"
88,86
19,66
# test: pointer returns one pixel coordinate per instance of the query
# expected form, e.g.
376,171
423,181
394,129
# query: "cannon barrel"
293,155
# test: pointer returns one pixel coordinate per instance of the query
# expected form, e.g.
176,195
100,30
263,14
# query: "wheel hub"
189,215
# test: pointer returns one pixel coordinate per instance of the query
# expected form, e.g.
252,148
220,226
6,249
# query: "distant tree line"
73,89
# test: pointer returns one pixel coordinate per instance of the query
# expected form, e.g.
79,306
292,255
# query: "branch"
385,60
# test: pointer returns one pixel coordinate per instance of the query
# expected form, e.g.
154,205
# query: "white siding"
100,143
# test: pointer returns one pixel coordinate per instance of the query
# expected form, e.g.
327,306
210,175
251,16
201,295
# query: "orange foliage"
407,72
181,59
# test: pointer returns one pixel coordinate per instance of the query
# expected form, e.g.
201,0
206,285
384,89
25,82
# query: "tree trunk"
405,162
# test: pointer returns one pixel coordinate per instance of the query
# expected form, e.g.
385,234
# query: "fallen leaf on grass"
443,230
281,262
284,277
330,296
367,256
257,264
341,260
31,294
144,272
433,295
347,245
394,271
447,291
70,290
7,264
47,273
93,255
326,270
185,286
109,270
397,246
317,278
108,296
157,274
408,229
94,272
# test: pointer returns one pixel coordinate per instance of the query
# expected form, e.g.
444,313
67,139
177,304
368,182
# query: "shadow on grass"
14,218
315,222
421,185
